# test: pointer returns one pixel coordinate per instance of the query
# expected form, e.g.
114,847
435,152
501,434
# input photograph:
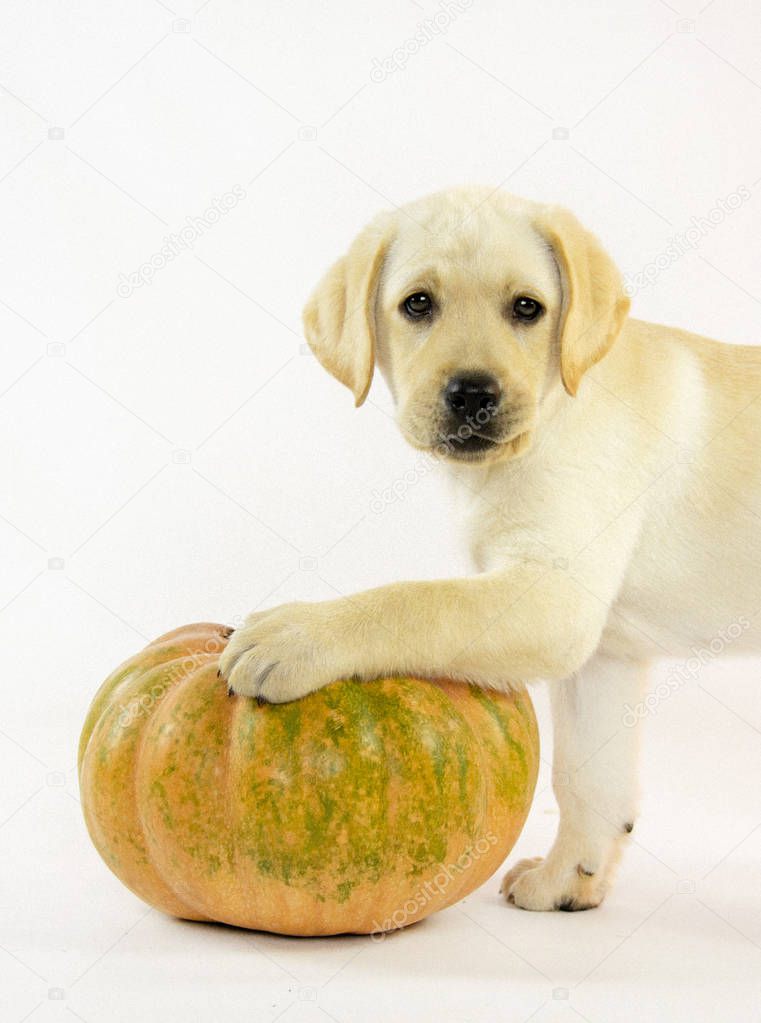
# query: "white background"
176,454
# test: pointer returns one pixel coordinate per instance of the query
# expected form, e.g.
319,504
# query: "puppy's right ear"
339,318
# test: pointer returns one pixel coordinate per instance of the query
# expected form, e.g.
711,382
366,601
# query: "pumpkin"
361,808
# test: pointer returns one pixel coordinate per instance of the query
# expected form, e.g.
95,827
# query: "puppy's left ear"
339,318
594,303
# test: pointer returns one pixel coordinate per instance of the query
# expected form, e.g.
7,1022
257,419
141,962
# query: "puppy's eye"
527,309
418,305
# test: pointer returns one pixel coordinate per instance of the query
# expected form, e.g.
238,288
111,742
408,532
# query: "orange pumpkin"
363,807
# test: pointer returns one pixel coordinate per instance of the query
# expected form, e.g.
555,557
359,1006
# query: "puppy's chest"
497,528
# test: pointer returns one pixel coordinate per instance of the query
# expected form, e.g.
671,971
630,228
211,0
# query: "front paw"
541,885
280,655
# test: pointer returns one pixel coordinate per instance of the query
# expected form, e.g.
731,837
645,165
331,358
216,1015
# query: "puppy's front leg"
493,629
595,783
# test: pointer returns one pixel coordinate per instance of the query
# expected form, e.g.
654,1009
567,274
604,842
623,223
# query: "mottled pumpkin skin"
363,807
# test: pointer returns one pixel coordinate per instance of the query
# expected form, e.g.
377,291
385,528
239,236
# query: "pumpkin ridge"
113,684
180,895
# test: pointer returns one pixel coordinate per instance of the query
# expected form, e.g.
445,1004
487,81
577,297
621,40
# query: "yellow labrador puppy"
612,480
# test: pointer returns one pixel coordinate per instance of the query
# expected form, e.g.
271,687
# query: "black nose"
467,396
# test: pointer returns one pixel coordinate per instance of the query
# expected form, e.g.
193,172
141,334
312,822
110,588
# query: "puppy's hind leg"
595,781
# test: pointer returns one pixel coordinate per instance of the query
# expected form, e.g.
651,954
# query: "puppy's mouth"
490,442
475,448
503,436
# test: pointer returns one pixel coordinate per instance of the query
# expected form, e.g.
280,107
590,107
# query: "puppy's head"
477,307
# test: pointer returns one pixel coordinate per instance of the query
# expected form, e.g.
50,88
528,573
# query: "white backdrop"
173,179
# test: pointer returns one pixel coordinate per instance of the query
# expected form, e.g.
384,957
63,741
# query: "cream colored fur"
616,522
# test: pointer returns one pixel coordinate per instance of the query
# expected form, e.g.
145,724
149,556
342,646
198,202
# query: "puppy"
612,477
